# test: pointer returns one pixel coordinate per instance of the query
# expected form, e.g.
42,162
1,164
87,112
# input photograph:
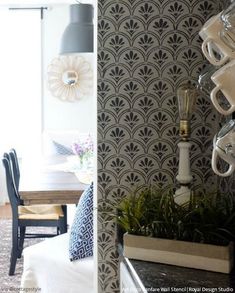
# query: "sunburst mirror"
70,78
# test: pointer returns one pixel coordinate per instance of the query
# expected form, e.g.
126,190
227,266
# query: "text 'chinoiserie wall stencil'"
146,49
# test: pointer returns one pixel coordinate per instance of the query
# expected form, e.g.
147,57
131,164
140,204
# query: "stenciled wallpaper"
146,49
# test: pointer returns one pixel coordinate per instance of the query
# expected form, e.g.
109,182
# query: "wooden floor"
5,212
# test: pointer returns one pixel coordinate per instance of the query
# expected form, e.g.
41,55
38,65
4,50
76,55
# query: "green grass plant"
206,218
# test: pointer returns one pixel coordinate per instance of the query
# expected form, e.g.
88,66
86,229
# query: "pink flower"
83,149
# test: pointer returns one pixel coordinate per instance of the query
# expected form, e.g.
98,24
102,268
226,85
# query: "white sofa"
63,137
47,266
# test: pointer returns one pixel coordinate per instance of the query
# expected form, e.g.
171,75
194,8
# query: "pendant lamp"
78,35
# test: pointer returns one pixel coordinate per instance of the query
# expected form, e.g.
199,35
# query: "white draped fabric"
47,266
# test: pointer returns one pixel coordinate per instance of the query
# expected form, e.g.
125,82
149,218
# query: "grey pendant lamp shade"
78,35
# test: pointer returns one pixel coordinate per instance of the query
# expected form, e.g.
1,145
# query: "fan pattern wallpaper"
146,49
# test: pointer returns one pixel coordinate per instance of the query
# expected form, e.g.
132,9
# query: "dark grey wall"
146,49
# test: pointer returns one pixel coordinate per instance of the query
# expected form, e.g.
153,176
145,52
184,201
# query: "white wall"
59,115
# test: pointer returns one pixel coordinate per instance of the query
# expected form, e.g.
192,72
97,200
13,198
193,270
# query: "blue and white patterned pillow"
62,149
81,234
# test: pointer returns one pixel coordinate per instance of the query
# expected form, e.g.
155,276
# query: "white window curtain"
20,85
20,80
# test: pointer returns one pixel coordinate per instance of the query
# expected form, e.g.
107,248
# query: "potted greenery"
199,234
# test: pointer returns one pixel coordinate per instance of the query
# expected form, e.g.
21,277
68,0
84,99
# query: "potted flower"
84,151
199,234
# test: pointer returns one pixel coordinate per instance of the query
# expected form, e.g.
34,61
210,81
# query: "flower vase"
81,159
83,163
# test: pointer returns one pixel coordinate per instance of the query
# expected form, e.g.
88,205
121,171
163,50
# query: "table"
40,184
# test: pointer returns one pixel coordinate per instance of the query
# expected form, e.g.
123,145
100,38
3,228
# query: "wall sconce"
187,95
78,35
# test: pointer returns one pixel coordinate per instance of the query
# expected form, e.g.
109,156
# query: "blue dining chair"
26,216
13,158
15,167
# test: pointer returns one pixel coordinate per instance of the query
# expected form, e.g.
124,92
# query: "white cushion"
47,266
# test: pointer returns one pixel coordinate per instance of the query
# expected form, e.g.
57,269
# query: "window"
20,81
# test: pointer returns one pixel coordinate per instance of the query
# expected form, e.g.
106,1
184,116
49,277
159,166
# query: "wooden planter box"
180,253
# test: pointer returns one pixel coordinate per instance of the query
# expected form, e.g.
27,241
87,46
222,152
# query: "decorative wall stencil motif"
146,49
69,77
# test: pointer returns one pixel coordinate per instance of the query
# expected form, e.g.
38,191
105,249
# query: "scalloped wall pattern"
146,49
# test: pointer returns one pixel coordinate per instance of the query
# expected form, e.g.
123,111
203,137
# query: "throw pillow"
62,150
81,234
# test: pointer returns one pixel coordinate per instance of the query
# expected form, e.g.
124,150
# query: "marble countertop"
168,278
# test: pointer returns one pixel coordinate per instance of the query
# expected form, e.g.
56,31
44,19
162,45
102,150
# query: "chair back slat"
15,167
12,192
